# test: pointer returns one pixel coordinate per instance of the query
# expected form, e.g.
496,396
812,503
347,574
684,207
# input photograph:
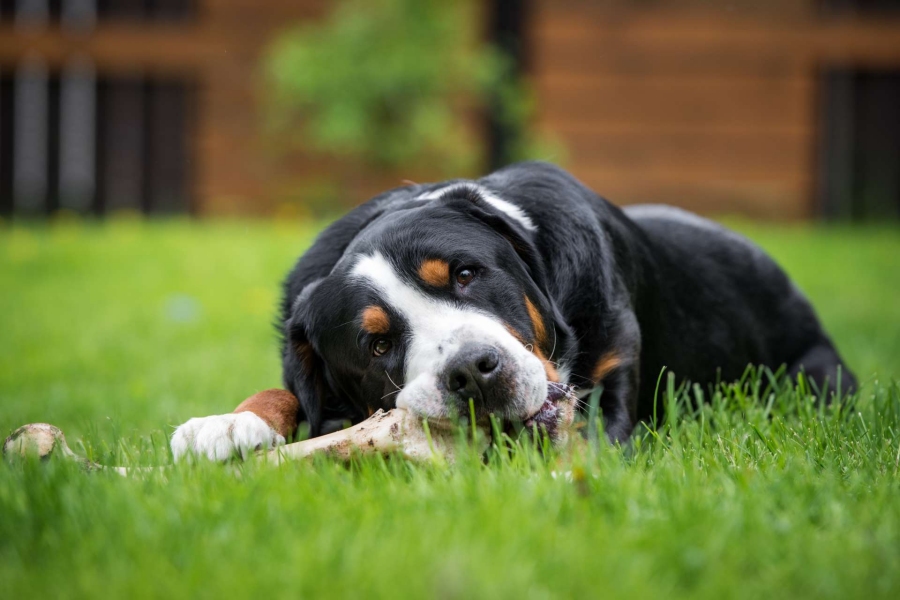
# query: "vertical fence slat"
32,12
100,152
167,158
79,14
30,137
124,145
51,196
859,150
7,9
7,136
77,136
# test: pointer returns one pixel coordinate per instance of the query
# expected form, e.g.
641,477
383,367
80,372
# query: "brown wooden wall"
654,101
672,102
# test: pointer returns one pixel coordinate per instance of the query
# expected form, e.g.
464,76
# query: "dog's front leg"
262,421
618,376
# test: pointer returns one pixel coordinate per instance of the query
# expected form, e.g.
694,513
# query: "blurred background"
164,162
775,109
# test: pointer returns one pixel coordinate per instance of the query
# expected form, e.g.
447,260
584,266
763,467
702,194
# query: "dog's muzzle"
478,373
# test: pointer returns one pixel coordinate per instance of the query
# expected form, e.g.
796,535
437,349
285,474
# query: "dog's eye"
465,276
381,346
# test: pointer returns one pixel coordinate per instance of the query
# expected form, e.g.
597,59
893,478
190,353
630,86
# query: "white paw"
220,437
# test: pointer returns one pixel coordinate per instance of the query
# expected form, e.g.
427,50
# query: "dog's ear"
303,369
471,201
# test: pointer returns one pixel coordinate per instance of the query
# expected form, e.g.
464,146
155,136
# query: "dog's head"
435,306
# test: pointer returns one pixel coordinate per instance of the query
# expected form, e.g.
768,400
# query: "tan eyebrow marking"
515,334
305,352
375,320
435,272
607,363
549,368
537,322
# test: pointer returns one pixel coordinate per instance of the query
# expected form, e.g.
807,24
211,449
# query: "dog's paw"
221,437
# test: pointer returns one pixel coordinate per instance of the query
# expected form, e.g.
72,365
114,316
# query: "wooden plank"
629,57
643,43
704,103
760,154
866,40
661,26
681,176
762,199
563,126
121,47
861,42
765,8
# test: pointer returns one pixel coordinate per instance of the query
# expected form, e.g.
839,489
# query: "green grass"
116,333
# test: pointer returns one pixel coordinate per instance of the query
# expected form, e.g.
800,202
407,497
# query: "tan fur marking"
279,408
515,334
549,368
540,332
375,320
552,374
435,272
607,363
305,352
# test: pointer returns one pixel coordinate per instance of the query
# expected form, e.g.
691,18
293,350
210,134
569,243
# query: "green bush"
392,82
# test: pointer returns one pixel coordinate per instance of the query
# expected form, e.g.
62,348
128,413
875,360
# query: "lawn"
118,332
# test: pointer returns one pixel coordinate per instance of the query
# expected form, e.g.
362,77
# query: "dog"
494,294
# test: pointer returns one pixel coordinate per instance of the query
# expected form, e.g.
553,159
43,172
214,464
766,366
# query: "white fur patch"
504,206
221,437
438,330
564,372
670,213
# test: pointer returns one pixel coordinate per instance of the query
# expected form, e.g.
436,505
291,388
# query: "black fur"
651,290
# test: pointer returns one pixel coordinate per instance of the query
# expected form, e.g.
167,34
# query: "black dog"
487,292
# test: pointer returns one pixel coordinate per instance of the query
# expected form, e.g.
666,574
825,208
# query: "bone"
41,440
385,432
394,431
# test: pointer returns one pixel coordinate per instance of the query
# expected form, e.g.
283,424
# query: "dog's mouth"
555,413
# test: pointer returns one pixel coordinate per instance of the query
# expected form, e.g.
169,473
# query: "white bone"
394,431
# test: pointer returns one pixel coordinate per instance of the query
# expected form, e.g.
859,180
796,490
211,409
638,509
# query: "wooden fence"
722,111
772,108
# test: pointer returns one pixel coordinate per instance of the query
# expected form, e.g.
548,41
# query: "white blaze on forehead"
437,330
504,206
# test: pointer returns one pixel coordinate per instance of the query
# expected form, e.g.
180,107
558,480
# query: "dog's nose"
473,371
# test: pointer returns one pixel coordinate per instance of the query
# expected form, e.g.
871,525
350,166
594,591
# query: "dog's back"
725,303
